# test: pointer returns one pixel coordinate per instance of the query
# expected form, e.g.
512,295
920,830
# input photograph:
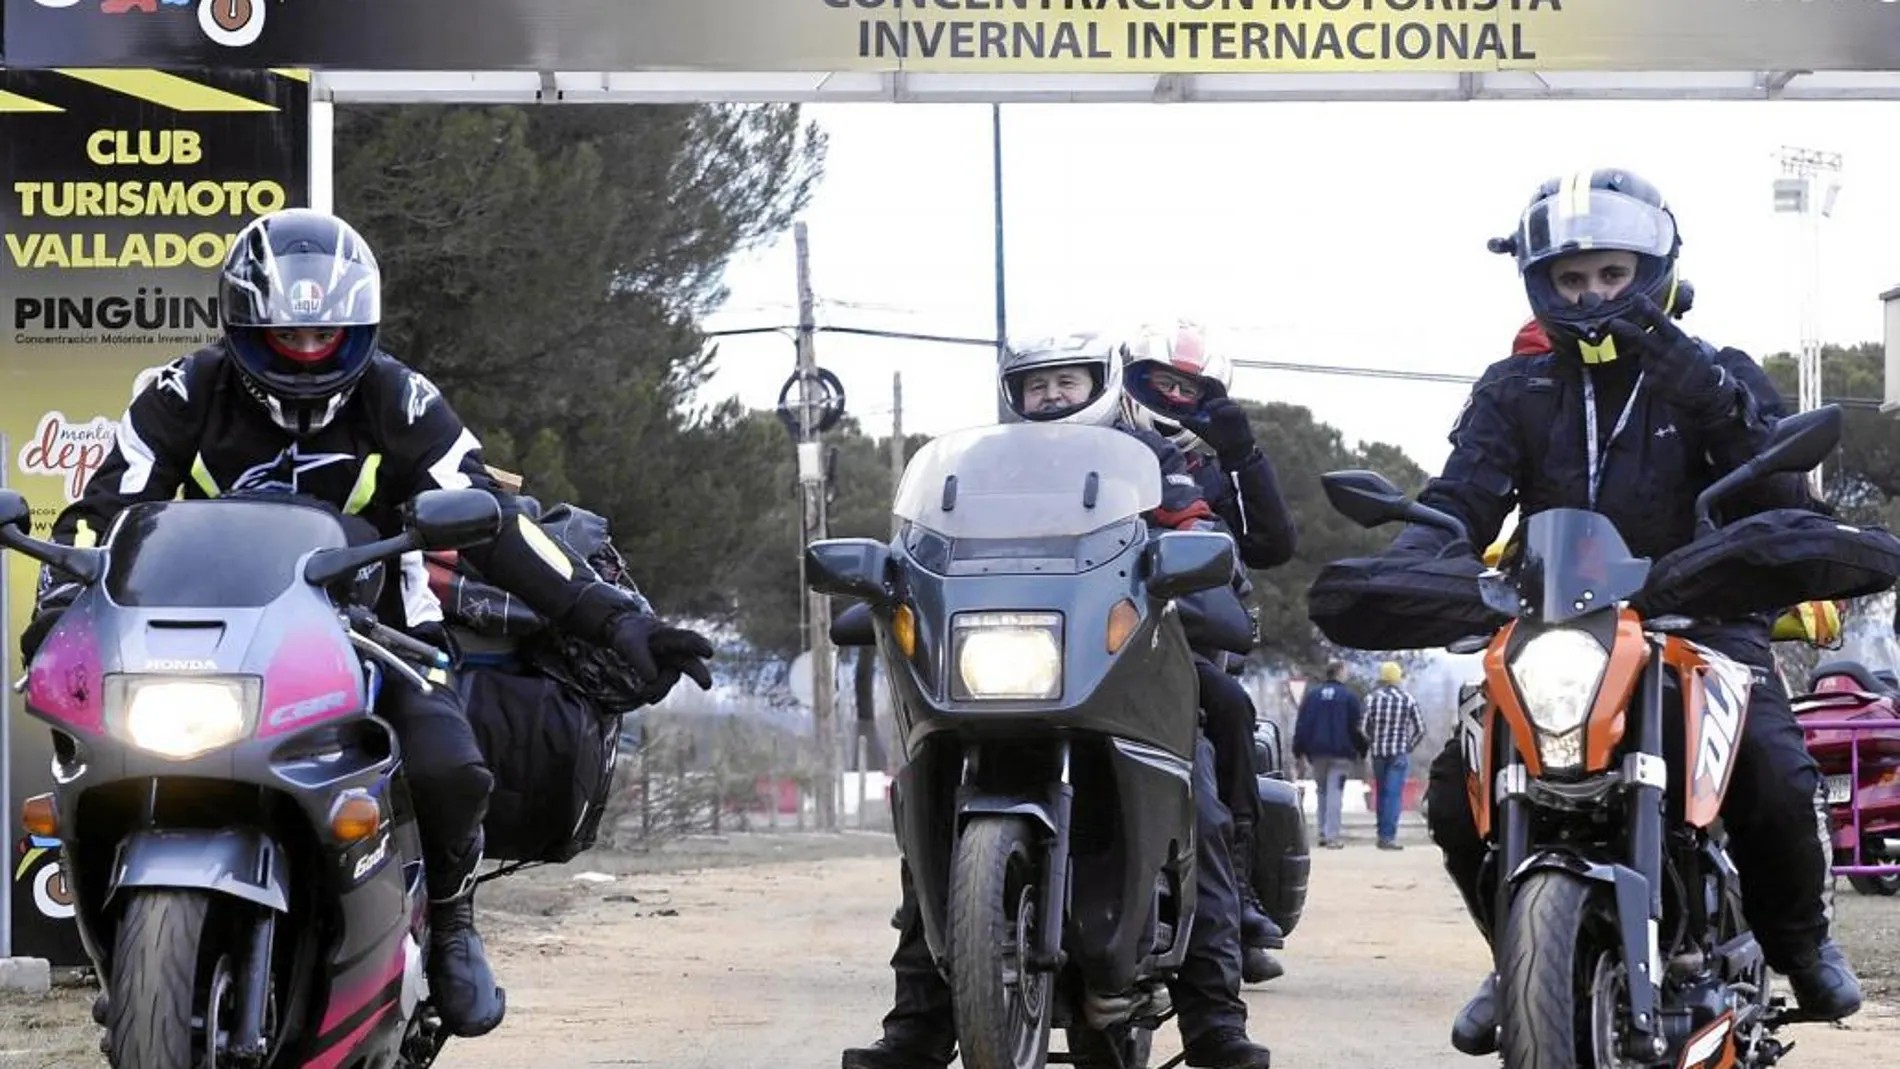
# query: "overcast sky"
1340,234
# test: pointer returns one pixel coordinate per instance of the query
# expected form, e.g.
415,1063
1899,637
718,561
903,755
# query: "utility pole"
897,442
811,478
1004,414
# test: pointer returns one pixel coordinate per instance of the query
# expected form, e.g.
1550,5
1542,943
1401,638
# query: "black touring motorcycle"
1035,633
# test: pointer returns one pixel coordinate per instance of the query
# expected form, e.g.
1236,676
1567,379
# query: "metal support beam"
633,87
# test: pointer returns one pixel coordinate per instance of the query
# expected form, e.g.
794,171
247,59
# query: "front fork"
249,1041
1636,886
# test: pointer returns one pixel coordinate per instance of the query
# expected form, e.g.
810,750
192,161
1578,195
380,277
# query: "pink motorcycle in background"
1851,717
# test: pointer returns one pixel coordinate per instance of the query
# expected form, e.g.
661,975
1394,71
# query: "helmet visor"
1057,388
302,290
1580,220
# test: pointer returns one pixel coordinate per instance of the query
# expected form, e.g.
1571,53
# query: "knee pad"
451,792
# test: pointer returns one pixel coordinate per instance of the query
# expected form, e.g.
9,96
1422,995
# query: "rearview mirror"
15,512
852,627
16,533
455,519
1801,441
1796,444
1364,497
848,567
1182,562
1370,500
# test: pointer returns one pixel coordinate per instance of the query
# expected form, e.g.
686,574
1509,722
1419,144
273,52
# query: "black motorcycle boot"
900,1050
1227,1048
1257,966
1825,986
461,984
1475,1030
1256,928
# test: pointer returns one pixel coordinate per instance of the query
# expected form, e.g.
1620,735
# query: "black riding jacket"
193,427
1521,442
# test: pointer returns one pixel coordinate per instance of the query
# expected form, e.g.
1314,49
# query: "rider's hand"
649,646
1221,423
1681,369
652,693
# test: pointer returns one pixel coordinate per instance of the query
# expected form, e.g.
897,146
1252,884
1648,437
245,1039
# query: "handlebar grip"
365,623
402,643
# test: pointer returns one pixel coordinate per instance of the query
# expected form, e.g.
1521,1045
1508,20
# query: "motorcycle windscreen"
1562,564
213,554
1028,480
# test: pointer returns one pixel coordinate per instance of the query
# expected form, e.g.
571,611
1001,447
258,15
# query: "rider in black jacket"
1176,385
1630,417
297,398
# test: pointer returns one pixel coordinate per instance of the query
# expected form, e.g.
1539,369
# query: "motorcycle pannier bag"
1281,863
552,754
1769,561
1400,602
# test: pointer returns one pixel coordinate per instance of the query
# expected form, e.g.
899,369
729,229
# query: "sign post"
123,190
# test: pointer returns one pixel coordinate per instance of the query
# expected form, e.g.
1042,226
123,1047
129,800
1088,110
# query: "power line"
1359,372
1346,371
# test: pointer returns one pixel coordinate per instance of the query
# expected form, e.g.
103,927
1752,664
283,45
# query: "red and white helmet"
1165,377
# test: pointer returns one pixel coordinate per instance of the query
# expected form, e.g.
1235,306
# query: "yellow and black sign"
1035,36
123,189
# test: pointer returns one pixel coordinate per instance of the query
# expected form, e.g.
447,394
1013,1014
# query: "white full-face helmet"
1074,378
1166,375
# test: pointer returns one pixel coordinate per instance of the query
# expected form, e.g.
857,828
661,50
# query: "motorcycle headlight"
1557,674
999,655
181,717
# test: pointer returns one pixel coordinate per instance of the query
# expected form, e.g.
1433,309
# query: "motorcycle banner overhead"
956,36
123,190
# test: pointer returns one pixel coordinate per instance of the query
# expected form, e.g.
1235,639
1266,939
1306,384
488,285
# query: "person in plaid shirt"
1393,727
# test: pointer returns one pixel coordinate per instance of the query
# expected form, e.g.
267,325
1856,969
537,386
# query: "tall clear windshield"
1562,564
1028,480
213,554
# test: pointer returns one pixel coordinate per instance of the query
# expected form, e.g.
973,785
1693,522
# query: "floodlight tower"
1795,193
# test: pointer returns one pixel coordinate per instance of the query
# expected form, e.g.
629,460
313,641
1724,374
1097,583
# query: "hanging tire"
1559,974
1003,1008
156,981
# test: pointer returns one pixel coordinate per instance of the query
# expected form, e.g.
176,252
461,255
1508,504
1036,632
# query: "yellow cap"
1817,623
1495,553
1389,672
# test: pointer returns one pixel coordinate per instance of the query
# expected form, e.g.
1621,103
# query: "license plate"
1839,788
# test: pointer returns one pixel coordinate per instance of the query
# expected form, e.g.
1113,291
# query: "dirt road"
782,964
1383,959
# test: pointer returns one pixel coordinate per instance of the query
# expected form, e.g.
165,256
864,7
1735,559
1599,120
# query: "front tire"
1874,849
1003,1007
1882,886
157,975
1560,976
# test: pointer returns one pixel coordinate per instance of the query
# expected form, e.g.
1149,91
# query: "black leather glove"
652,692
36,631
650,647
1221,423
1681,369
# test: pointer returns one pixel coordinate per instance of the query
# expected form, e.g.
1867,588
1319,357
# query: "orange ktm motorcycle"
1599,750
